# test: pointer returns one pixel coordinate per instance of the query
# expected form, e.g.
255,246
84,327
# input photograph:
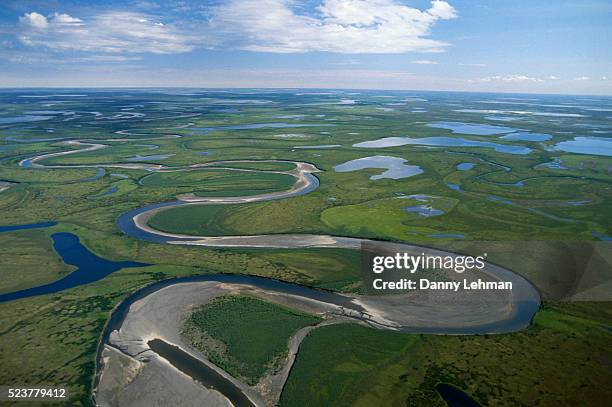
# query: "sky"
532,46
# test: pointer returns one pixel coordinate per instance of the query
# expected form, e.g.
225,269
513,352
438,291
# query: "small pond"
395,167
587,145
475,129
443,142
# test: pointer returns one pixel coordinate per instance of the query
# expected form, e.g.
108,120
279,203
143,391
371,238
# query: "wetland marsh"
293,207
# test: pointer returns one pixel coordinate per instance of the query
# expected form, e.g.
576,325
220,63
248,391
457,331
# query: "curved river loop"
142,354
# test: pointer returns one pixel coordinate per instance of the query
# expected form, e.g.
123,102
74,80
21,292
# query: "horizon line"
307,88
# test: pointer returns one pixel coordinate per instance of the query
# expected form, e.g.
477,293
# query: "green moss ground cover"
210,182
562,360
245,336
28,260
261,166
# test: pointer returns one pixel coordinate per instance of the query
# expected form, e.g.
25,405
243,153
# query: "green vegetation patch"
115,189
190,220
561,360
243,335
28,260
332,269
222,182
387,217
262,166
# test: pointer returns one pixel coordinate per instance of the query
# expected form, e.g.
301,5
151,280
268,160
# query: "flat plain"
530,204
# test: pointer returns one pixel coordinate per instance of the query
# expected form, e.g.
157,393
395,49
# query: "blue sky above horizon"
520,46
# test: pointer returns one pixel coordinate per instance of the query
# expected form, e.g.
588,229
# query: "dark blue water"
90,268
455,397
28,226
125,221
207,376
601,236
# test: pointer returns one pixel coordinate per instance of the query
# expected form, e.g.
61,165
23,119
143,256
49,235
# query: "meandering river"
445,315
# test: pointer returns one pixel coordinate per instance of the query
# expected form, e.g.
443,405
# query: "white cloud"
583,78
509,78
477,65
552,78
57,60
66,19
342,26
109,32
424,62
34,20
442,9
346,62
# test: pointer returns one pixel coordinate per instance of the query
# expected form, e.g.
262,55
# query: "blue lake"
465,166
90,267
424,210
474,129
28,226
455,397
526,136
442,142
395,167
455,187
587,145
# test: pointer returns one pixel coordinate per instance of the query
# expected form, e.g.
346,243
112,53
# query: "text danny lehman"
405,262
425,284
